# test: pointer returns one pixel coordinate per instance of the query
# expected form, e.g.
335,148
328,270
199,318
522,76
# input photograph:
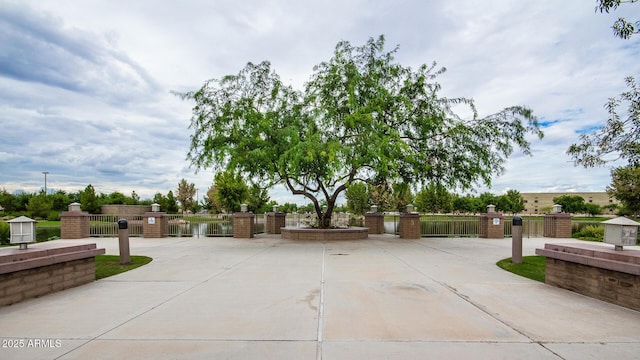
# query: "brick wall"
74,225
487,228
608,285
124,210
557,225
375,223
243,225
159,228
409,226
25,284
274,222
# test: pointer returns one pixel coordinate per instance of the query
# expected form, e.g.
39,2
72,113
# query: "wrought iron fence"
463,225
207,225
107,225
202,225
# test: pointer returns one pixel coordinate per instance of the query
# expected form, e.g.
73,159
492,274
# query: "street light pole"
45,182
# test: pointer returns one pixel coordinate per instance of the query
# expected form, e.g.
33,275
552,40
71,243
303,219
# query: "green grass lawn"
109,265
532,267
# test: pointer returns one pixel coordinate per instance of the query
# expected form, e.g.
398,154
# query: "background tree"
434,198
89,201
186,192
172,203
40,205
464,204
485,199
288,207
161,200
592,209
7,201
60,200
621,27
381,195
573,204
511,202
232,190
212,199
357,196
362,116
625,186
257,199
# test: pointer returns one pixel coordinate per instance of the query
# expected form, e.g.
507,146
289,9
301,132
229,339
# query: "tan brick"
20,288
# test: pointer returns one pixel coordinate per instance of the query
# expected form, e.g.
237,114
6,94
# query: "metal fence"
463,225
207,225
107,225
203,225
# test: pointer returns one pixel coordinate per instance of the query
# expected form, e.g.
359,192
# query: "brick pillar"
491,226
557,225
409,226
74,225
243,225
375,222
275,221
155,225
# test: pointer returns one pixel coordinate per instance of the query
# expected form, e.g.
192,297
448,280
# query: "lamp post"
45,181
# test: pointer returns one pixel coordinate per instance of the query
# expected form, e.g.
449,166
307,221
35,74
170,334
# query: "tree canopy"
361,117
622,28
619,138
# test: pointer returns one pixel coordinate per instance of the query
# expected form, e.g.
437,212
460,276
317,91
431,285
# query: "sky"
86,86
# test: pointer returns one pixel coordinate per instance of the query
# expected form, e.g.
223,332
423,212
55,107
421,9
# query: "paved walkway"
268,298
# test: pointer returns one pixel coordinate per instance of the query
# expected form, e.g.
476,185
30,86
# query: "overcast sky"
85,85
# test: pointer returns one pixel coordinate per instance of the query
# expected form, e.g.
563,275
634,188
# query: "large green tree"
362,116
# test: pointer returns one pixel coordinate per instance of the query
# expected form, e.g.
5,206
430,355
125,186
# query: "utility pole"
45,182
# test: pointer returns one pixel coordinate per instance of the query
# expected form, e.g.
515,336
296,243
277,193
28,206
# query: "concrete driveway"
268,298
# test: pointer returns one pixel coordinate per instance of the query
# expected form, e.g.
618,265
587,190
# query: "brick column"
275,221
243,225
409,226
557,225
491,226
375,222
155,225
74,225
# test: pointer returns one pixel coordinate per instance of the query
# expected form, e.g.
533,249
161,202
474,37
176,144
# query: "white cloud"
86,85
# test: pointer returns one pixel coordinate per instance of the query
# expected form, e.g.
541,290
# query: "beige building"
541,203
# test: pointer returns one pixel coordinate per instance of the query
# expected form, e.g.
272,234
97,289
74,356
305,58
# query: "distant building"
540,203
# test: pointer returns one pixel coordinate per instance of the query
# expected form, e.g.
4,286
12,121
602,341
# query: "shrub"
5,233
590,233
53,216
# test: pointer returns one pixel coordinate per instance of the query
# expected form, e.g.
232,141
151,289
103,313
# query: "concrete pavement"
380,298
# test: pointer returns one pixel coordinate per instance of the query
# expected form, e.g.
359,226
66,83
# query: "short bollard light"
620,232
516,240
123,242
22,231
